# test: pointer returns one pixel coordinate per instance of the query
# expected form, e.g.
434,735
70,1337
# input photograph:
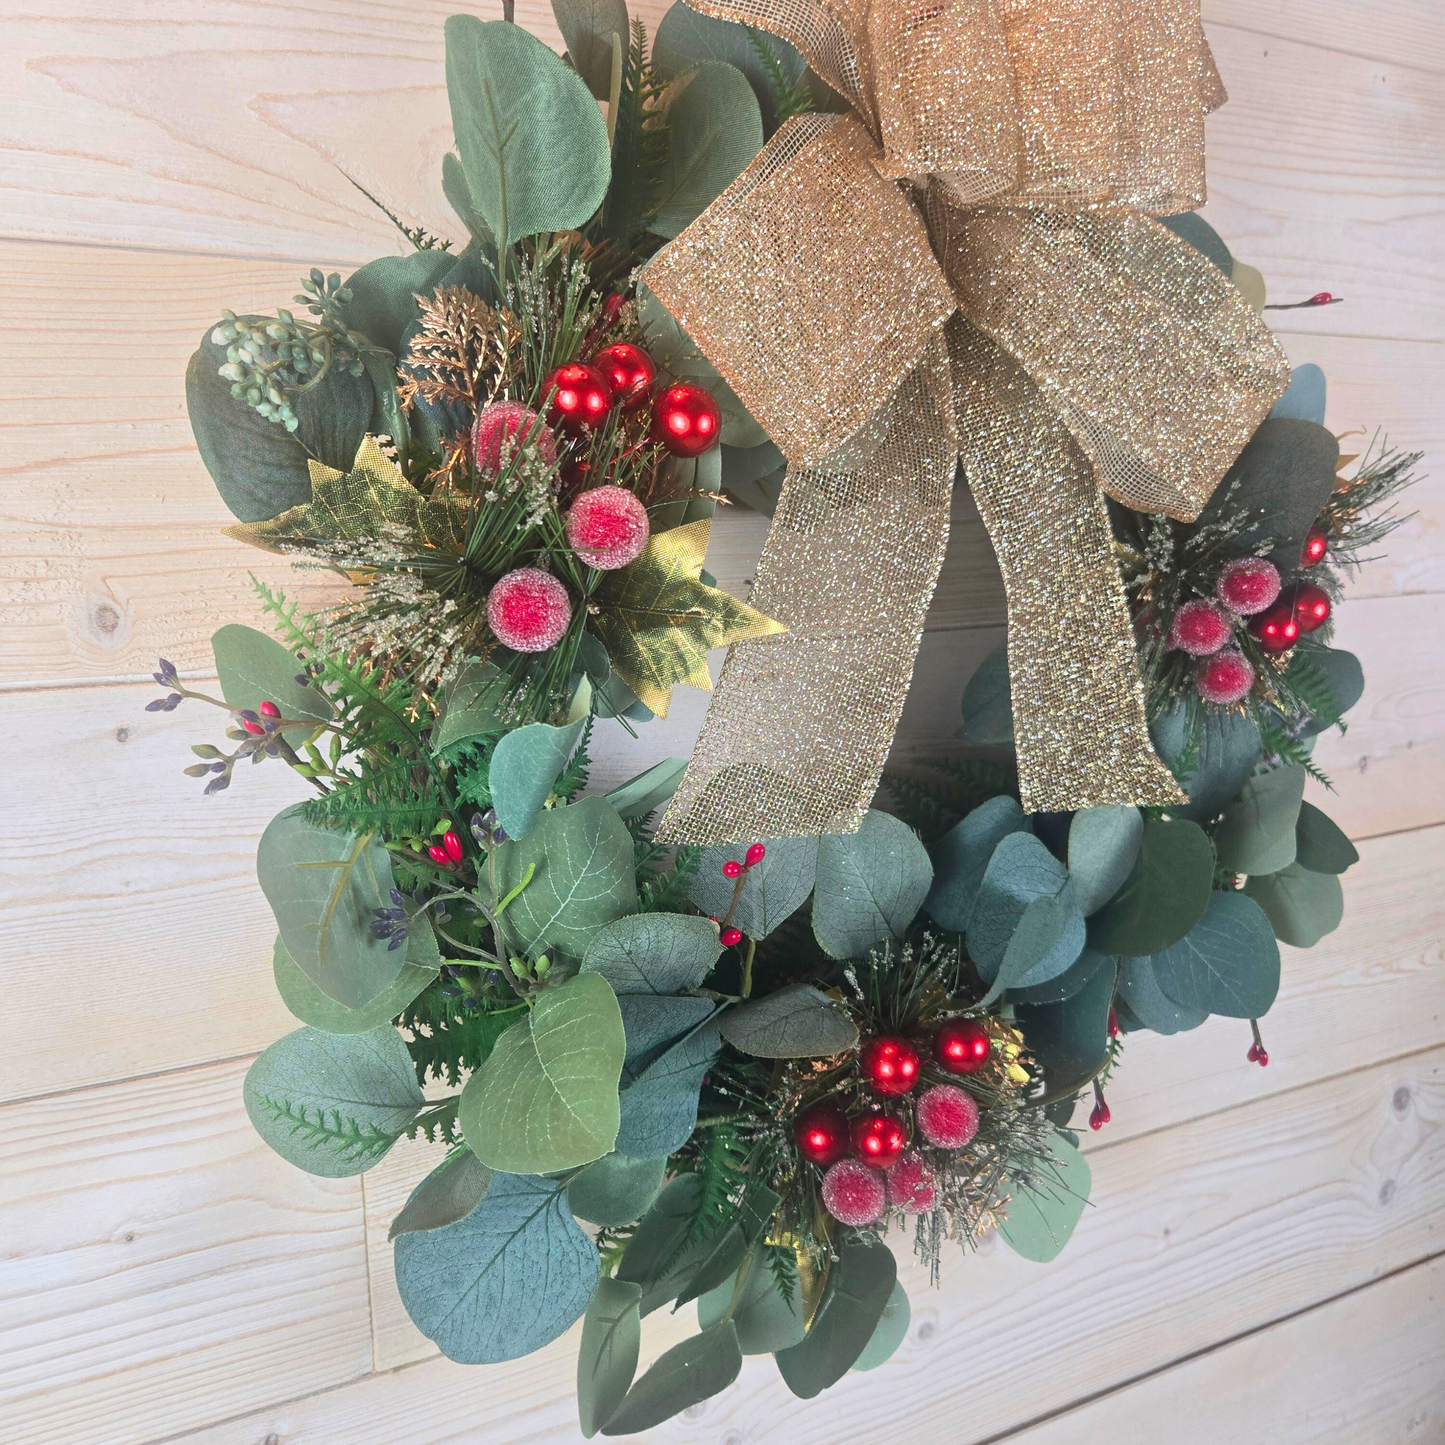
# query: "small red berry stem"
1100,1114
1320,298
1258,1054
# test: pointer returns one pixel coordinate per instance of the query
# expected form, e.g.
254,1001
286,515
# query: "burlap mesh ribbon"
963,269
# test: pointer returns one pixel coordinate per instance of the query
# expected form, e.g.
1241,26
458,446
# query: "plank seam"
1325,49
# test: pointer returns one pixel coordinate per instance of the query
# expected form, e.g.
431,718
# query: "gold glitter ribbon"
964,269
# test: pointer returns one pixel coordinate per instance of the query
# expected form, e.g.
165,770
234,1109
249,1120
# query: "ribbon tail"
801,723
1078,701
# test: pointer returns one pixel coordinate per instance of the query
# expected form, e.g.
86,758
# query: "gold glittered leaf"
372,500
657,618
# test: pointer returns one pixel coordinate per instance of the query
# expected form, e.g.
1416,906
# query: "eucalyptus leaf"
1139,984
776,887
660,1236
1228,963
683,1376
384,291
1165,894
525,764
858,1290
1103,844
890,1331
1257,832
1221,755
653,1024
1304,397
545,1098
795,1022
654,953
765,1320
616,1189
313,1006
1070,1038
1065,985
1036,950
324,887
588,27
659,1111
607,1353
1320,844
531,139
1343,675
988,718
643,795
584,878
333,1104
1042,1217
960,858
253,668
728,1249
1021,871
505,1280
471,706
448,1194
1302,906
870,885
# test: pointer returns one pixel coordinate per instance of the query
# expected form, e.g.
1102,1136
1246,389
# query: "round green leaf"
775,888
1103,844
471,705
1042,1216
504,1281
683,1376
448,1194
1228,963
333,1104
654,953
254,668
960,858
1021,871
616,1189
531,139
1302,906
1149,1003
545,1098
870,885
653,1024
648,791
890,1331
384,292
1211,753
1069,1038
659,1111
1320,845
796,1022
1046,943
1257,832
659,1238
588,28
988,718
607,1354
1165,894
1065,985
1304,397
766,1321
309,1004
524,766
1343,675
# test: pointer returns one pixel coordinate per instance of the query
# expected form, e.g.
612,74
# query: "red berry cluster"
447,853
737,872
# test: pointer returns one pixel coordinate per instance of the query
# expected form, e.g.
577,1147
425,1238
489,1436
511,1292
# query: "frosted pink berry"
910,1183
607,528
529,610
1199,628
1248,585
500,430
947,1116
1224,678
853,1193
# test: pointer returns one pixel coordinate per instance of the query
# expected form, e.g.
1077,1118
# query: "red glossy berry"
1224,678
439,855
1311,606
732,869
730,937
529,610
1248,585
878,1140
612,308
253,728
1263,1059
453,845
1199,628
686,420
822,1135
1321,298
755,854
947,1116
1099,1115
854,1194
500,430
581,396
1277,629
269,709
910,1183
1113,1024
890,1065
1317,543
629,371
961,1046
607,528
1253,1054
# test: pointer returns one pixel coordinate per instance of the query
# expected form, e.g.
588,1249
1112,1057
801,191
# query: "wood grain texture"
1402,32
1196,1234
1363,1369
161,1266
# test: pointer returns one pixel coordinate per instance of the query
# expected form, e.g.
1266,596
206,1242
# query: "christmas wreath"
719,1061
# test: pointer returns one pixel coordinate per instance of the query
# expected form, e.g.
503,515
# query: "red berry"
1224,678
1277,629
607,528
612,308
1321,298
1263,1059
1315,547
500,430
890,1065
730,937
1199,628
529,610
1253,1054
439,855
1311,606
254,728
854,1194
269,709
732,869
581,396
961,1046
910,1183
1248,585
629,371
1113,1024
822,1135
878,1139
1098,1117
947,1116
755,854
686,420
453,846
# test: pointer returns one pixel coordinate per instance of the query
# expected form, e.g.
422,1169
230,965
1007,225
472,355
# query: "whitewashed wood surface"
1264,1256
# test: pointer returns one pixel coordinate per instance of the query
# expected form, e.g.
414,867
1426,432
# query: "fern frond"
640,146
790,97
330,1129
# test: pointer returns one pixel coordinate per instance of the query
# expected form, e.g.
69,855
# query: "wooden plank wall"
1264,1257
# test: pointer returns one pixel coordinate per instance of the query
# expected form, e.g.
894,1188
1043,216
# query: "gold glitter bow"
963,269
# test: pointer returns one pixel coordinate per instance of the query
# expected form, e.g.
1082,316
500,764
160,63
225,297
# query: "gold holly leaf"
657,618
372,500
